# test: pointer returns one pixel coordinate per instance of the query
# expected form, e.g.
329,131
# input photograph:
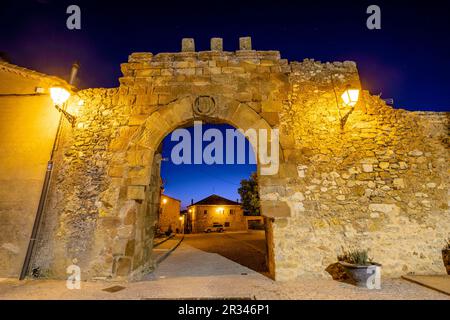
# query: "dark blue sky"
408,59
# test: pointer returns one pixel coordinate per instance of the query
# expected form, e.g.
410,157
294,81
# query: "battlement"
189,62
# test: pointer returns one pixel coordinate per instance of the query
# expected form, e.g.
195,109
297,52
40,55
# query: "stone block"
116,171
245,43
187,45
129,250
216,44
275,209
130,217
123,266
139,157
136,193
139,177
137,119
186,71
399,183
227,70
119,246
140,56
272,118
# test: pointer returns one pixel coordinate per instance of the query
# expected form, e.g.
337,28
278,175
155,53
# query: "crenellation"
245,43
216,44
187,45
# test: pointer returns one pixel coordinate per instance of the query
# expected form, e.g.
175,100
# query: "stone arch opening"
142,184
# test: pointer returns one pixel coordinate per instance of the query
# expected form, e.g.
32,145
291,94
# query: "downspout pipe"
40,209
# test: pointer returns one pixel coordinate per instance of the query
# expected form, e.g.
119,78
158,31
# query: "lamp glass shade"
350,97
59,95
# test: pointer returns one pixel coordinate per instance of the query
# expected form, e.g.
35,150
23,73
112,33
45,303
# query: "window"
227,224
205,211
232,211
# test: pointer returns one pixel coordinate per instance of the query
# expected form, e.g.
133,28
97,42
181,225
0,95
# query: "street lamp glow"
59,95
350,97
164,201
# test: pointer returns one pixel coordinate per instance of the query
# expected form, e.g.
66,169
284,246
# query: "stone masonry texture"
370,177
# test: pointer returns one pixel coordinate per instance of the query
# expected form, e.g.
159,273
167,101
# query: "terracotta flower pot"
446,259
361,275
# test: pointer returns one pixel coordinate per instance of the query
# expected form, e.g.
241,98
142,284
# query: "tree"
250,195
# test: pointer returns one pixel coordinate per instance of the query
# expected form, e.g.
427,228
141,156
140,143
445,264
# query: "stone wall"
371,176
380,183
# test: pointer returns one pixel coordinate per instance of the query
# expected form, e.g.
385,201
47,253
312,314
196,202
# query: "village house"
217,210
169,215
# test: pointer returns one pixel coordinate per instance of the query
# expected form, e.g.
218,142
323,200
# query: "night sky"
407,60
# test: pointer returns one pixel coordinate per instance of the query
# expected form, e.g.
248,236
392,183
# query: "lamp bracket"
72,119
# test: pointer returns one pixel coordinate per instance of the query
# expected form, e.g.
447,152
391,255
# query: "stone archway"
377,180
135,234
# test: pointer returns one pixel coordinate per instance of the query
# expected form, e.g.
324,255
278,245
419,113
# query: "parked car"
215,228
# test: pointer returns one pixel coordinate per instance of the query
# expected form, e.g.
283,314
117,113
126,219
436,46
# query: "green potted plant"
446,256
361,269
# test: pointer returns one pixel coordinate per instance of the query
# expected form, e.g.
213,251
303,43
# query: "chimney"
192,202
73,72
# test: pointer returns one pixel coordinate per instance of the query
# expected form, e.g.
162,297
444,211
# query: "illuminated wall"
27,130
169,214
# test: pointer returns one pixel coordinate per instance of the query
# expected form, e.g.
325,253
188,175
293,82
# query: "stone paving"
192,273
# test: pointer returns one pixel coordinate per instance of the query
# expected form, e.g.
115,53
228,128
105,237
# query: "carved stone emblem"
204,106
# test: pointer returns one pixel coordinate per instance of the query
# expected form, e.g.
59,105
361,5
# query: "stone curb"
161,242
165,255
425,284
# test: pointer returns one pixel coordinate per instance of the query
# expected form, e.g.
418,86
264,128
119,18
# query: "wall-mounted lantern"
60,96
350,97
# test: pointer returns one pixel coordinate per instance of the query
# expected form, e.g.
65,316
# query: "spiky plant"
358,257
